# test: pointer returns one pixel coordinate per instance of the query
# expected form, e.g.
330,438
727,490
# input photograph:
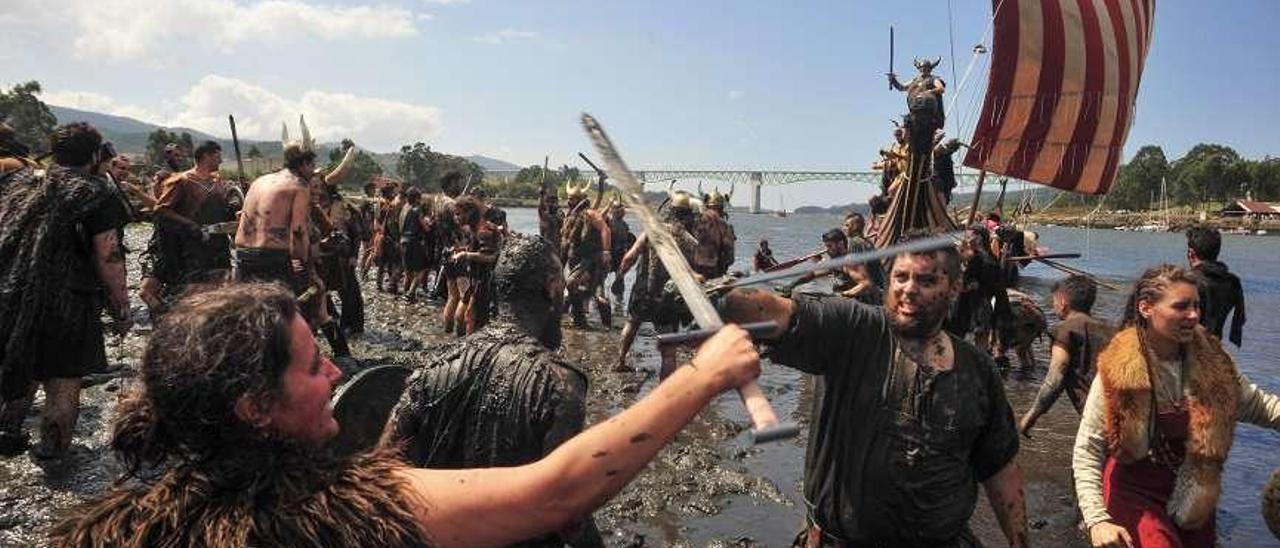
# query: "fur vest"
287,502
1212,398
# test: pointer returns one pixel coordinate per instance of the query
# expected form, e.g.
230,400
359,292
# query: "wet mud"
710,487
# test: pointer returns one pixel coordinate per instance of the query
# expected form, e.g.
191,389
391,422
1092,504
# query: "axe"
767,428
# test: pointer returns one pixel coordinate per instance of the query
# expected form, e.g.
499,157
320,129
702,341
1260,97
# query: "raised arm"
633,254
500,506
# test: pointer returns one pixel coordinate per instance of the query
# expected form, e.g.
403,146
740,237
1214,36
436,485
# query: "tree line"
1206,174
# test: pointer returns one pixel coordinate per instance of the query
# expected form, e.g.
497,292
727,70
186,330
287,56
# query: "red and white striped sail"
1060,96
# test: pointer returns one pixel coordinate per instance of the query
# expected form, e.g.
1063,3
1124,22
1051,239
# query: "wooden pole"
977,195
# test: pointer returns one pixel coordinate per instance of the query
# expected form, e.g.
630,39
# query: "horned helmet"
715,200
295,149
926,66
681,200
576,193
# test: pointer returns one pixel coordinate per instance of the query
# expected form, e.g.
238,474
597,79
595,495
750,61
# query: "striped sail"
1060,96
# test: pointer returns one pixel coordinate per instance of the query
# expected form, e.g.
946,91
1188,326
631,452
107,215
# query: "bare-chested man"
273,239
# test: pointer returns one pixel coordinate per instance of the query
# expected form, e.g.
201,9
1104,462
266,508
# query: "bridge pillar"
756,180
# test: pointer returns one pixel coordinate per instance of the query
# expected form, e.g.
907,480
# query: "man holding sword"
913,418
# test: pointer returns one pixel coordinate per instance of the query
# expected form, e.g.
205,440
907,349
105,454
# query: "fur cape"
1214,395
286,501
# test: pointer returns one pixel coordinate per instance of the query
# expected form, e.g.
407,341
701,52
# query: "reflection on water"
1115,256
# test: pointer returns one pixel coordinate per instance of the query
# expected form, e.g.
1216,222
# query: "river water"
1115,256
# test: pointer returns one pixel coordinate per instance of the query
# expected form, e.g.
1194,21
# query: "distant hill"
130,137
492,164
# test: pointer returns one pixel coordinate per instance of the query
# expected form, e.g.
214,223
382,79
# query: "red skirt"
1136,493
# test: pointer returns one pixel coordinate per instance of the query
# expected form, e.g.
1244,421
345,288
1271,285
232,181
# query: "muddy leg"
58,422
628,336
13,438
450,305
668,356
149,291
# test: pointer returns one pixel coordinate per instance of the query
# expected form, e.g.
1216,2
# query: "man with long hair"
59,255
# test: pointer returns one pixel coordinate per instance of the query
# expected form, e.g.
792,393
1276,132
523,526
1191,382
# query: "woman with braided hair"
1159,420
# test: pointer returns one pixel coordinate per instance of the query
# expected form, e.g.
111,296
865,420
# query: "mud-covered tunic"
895,451
649,301
495,398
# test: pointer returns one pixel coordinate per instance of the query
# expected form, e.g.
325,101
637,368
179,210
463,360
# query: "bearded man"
912,420
162,259
585,246
191,202
59,257
716,239
501,396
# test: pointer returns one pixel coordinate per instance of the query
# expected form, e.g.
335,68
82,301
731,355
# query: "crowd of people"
223,437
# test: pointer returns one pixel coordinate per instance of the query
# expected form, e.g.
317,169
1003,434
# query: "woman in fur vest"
1159,420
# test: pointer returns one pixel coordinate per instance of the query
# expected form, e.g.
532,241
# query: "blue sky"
760,85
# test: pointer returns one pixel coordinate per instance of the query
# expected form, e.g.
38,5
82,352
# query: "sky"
678,84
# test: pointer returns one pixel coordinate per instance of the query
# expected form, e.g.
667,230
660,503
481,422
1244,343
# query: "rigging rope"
951,38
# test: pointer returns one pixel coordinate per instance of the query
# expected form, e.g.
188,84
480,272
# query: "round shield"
363,404
1271,503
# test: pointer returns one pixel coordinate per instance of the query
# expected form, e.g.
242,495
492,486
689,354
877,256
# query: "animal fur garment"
284,498
1212,399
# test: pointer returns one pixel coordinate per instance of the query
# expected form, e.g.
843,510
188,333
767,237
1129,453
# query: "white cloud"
378,124
447,2
97,102
735,94
129,30
504,36
373,123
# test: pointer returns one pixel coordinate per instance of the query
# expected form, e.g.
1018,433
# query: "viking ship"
1059,102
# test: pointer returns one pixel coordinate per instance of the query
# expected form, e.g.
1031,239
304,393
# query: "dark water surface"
1118,257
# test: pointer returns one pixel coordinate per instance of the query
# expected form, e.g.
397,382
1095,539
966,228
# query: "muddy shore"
709,488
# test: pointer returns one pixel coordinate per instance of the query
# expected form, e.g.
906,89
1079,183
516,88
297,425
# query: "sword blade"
914,246
660,239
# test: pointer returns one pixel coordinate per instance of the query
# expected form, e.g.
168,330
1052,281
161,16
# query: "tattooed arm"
1004,491
1059,360
109,262
300,227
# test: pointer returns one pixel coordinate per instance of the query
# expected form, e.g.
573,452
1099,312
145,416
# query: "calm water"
1115,256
